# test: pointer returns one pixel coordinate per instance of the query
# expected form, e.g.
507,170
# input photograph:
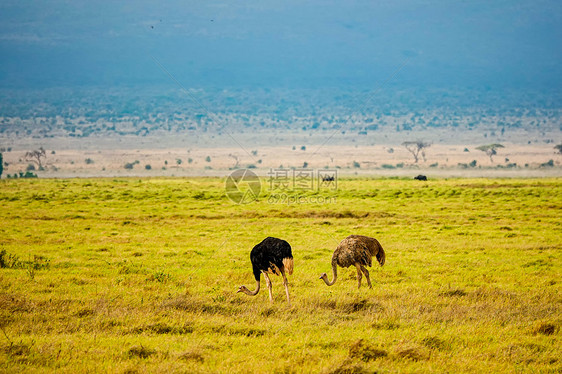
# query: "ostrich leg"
366,272
359,275
269,287
286,284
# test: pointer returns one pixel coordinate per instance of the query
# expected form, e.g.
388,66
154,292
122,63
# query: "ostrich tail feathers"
381,257
288,265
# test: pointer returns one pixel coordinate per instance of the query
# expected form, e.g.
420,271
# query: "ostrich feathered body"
358,249
271,255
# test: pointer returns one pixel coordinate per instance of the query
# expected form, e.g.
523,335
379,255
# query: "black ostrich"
272,256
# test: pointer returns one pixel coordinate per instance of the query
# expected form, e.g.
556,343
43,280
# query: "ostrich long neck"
335,273
254,293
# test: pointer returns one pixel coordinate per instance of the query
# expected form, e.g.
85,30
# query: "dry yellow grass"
139,275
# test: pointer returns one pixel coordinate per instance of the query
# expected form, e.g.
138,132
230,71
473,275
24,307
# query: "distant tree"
1,165
549,163
558,148
490,150
416,147
37,157
208,158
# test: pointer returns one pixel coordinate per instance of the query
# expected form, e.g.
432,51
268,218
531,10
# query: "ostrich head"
243,289
324,277
247,291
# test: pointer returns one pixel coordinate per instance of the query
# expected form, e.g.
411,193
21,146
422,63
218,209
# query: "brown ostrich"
271,256
356,250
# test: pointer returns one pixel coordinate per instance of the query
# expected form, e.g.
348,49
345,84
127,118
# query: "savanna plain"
140,275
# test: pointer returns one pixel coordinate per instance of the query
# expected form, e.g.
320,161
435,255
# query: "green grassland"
129,275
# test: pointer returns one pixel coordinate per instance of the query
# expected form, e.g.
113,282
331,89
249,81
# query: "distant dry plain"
450,152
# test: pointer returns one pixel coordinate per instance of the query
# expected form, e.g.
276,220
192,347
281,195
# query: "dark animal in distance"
356,250
271,256
421,177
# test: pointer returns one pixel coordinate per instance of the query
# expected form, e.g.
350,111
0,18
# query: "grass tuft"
192,356
191,304
85,312
349,367
140,351
411,353
456,292
544,328
365,352
386,325
18,349
163,328
434,342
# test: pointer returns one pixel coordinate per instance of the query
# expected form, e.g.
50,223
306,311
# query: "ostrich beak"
239,289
